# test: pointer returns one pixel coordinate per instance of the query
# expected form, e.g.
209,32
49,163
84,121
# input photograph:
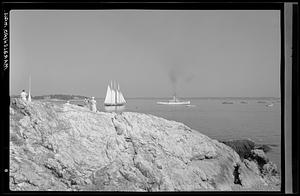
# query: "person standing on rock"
23,95
86,102
93,105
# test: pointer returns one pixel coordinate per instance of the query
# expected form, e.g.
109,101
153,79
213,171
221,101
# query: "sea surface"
242,118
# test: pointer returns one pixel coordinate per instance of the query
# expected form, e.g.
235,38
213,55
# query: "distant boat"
261,102
227,102
114,96
270,105
190,105
244,102
174,101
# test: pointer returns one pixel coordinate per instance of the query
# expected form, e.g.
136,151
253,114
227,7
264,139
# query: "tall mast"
29,83
111,90
29,96
116,92
118,98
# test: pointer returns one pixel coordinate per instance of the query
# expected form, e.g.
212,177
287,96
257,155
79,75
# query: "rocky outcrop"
67,147
244,147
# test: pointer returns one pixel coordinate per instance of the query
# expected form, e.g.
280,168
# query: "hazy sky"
198,53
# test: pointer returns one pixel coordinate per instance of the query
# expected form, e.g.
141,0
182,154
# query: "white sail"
113,95
118,94
29,96
108,98
122,100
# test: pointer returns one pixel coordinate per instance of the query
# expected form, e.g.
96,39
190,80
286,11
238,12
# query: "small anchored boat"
270,105
261,102
227,102
174,101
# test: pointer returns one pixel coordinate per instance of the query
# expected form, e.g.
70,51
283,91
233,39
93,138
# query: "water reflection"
114,108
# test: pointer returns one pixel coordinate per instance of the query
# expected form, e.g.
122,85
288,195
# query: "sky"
150,53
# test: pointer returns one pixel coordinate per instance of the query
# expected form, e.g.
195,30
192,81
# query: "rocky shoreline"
69,148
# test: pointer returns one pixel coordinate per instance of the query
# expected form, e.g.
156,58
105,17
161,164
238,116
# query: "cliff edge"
69,148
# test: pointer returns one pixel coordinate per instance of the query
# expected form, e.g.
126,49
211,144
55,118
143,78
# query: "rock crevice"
67,147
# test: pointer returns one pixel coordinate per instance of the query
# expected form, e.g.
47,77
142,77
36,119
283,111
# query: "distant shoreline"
80,97
255,98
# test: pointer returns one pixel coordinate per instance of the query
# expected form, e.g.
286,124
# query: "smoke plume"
179,63
179,74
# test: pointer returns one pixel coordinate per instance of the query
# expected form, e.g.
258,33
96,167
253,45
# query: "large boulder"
67,147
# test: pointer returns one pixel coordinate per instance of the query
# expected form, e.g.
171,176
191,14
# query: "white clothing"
86,103
23,95
93,105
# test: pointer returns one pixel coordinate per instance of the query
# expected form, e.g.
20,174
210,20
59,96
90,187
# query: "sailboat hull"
174,103
114,108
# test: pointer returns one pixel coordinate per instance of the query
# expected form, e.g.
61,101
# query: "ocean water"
244,118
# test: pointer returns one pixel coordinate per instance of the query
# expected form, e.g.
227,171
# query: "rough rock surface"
242,147
67,147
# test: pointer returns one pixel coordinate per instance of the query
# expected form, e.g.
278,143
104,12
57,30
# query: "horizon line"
193,97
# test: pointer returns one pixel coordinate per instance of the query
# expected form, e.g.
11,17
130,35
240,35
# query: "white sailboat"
29,95
114,96
120,97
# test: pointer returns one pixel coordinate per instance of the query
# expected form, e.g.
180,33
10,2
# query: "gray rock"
259,156
70,148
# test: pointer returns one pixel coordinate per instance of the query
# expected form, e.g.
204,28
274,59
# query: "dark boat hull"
119,104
